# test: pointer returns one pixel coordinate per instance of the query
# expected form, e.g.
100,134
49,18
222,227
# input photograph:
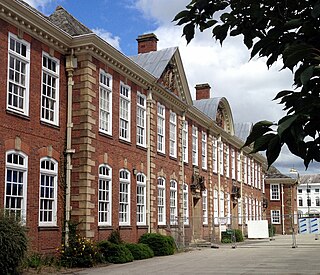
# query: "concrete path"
251,257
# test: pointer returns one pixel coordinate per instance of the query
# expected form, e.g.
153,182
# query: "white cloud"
39,4
247,84
108,36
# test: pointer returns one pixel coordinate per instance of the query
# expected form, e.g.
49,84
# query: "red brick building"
281,195
112,142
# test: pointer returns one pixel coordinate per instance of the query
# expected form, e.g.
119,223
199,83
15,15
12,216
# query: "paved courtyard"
252,257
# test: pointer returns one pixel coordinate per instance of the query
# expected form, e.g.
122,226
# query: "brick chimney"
202,91
147,43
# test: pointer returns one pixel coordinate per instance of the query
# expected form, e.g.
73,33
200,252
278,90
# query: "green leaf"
258,130
306,75
188,31
285,123
316,10
261,143
282,94
220,32
274,149
181,14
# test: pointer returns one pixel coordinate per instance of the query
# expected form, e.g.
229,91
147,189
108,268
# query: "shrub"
81,252
13,243
161,245
115,237
239,235
37,261
272,230
226,237
140,251
115,253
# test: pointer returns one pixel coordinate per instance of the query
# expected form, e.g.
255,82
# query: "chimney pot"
147,43
202,91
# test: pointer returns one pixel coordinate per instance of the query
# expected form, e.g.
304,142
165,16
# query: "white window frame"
300,199
238,166
205,207
221,204
275,192
185,141
214,155
8,194
173,203
220,157
47,94
249,171
240,211
246,209
250,209
105,195
275,217
18,59
125,112
195,155
161,201
141,199
227,160
204,150
215,207
173,135
44,196
161,128
105,102
185,204
259,176
245,169
233,163
141,119
124,197
228,208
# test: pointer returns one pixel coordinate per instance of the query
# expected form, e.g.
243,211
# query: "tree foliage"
287,30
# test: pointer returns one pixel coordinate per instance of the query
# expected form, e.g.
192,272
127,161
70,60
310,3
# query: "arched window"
124,198
105,195
141,199
173,203
161,201
48,192
16,184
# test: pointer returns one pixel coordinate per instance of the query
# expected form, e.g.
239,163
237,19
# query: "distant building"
308,195
281,194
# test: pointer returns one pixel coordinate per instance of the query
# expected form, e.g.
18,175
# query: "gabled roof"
155,62
65,21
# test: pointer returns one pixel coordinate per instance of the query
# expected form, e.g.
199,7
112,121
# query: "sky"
248,85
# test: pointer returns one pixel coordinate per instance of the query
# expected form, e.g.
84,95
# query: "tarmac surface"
278,256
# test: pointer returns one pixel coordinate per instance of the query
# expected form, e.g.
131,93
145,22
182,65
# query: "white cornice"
34,24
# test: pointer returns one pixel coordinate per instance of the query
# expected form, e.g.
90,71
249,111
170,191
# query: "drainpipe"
282,209
71,64
219,186
182,175
149,102
241,190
